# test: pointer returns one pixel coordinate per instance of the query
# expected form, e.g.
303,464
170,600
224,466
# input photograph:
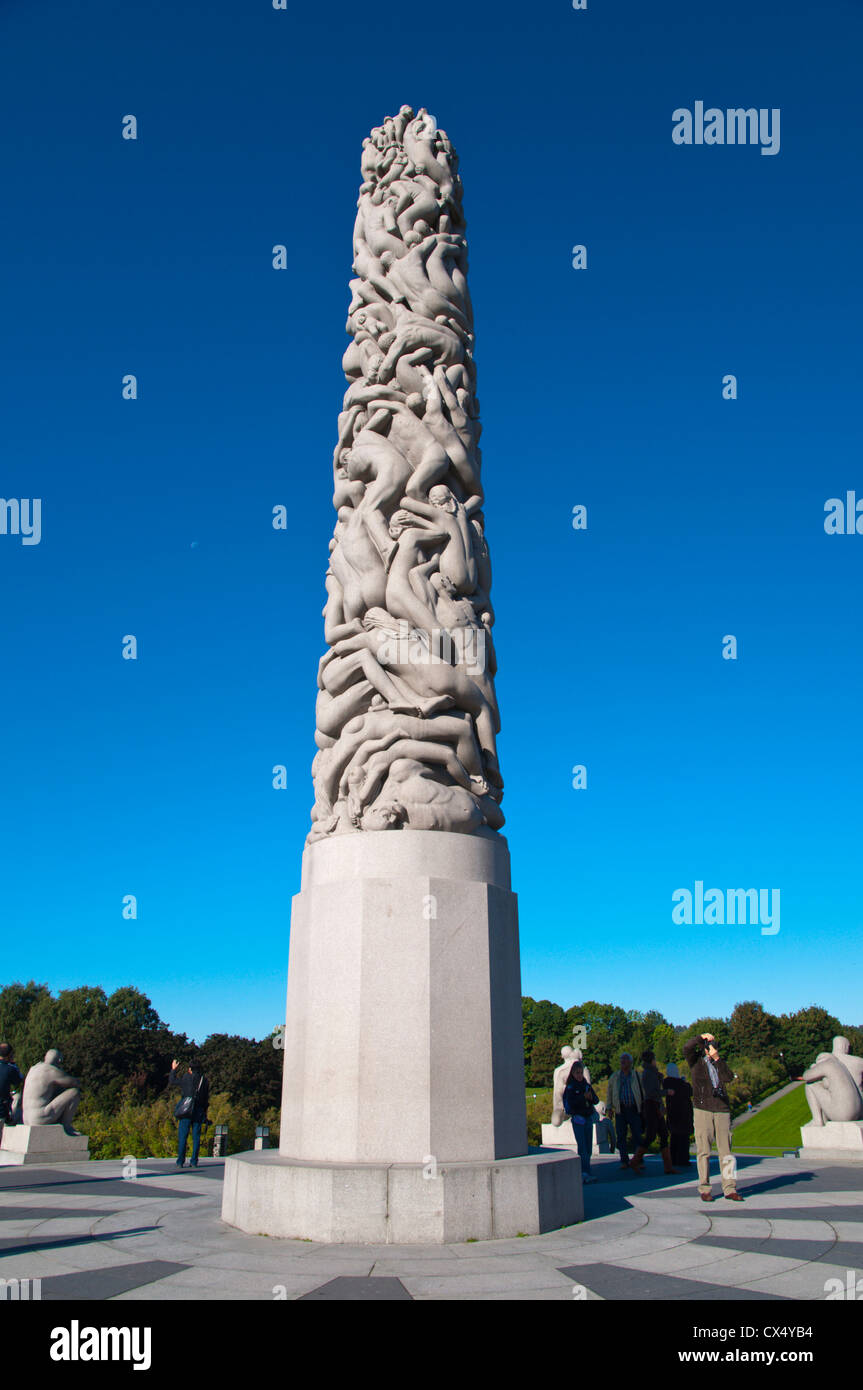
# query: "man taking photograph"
712,1112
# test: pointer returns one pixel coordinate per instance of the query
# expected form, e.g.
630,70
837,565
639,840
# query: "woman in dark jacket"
195,1088
579,1098
678,1105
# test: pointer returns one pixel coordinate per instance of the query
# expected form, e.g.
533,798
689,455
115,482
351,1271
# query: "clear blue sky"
600,387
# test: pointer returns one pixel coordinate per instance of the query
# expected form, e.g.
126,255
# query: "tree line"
771,1047
122,1050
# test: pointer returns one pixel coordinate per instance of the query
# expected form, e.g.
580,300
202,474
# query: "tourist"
712,1114
626,1098
579,1098
654,1119
10,1080
678,1108
191,1109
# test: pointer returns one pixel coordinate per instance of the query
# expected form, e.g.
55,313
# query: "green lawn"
777,1127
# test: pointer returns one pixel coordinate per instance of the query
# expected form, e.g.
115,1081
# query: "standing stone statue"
51,1096
406,715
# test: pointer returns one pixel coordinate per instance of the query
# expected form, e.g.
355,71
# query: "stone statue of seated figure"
831,1090
842,1050
51,1096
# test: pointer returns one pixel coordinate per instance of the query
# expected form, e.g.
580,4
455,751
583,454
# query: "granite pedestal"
46,1144
834,1139
403,1055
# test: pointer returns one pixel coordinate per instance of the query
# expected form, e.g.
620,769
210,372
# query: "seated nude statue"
842,1051
831,1091
51,1096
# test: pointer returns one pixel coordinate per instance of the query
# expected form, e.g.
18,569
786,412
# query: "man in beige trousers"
712,1111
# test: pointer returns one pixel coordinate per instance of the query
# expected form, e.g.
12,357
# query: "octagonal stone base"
401,1203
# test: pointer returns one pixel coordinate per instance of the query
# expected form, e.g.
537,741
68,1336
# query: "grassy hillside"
777,1127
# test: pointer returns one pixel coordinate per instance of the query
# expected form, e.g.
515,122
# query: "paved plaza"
89,1233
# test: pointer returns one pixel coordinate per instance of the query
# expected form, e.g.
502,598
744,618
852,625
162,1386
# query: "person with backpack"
579,1098
191,1109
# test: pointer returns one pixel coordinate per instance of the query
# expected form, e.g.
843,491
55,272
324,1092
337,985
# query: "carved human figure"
356,562
364,658
455,430
842,1050
421,280
416,341
423,146
437,684
831,1091
418,207
406,714
431,406
433,806
51,1095
380,728
364,356
418,593
376,229
443,510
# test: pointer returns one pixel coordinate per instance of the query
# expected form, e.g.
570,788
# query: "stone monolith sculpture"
403,1113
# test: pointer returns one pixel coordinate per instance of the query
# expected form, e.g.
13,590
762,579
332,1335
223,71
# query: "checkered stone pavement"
88,1233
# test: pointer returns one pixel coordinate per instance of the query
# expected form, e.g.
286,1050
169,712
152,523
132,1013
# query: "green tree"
543,1060
608,1029
717,1026
134,1008
540,1019
854,1036
55,1022
642,1027
16,1003
752,1030
248,1072
663,1041
110,1043
754,1077
802,1035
